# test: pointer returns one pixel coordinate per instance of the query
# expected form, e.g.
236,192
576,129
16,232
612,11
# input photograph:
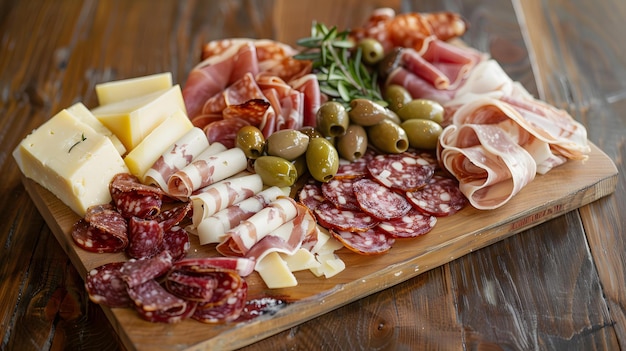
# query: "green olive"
311,132
388,137
332,119
353,144
397,96
392,116
251,140
300,164
372,50
421,109
366,112
322,159
422,133
287,143
275,171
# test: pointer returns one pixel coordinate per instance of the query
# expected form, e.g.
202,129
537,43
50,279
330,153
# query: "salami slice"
440,197
370,242
176,242
243,266
355,169
173,216
146,238
132,198
92,239
106,286
225,131
379,201
414,223
156,304
227,311
137,272
404,172
344,220
191,286
311,195
339,192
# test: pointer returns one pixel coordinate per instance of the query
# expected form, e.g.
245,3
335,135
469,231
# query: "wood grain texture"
558,285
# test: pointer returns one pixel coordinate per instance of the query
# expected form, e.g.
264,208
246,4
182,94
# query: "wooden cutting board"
563,189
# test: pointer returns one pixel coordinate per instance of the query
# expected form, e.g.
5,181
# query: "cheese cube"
82,113
133,119
125,89
274,272
144,155
71,160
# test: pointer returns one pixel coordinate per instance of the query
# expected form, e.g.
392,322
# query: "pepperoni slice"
92,239
332,217
106,286
146,237
440,197
370,242
404,172
339,192
311,195
379,201
414,223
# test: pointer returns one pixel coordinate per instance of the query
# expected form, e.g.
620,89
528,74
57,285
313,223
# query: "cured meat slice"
205,170
93,239
344,220
173,216
212,229
146,238
132,198
311,195
379,201
155,304
136,272
225,131
227,311
254,111
440,197
339,192
242,266
176,157
176,242
414,223
106,286
403,172
371,242
190,286
356,168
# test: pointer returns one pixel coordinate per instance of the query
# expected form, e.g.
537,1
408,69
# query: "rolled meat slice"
176,157
214,164
213,229
223,194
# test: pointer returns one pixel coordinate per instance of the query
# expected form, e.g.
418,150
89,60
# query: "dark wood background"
558,286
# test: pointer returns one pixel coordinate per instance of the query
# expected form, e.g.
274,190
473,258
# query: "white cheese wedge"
71,160
330,265
301,260
133,119
274,272
143,156
125,89
81,112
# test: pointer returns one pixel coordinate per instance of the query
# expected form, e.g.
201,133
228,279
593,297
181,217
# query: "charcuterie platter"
564,189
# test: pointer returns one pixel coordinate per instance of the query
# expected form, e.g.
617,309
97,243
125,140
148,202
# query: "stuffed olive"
275,171
388,137
332,119
287,143
322,159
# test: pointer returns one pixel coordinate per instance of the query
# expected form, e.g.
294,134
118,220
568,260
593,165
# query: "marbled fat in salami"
344,220
146,237
311,195
440,197
371,242
379,201
106,286
176,242
414,223
92,239
339,192
403,172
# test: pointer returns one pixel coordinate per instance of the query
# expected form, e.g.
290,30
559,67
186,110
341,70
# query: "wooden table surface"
560,285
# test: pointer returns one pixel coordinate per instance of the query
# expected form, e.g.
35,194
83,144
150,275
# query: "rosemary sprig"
82,138
338,66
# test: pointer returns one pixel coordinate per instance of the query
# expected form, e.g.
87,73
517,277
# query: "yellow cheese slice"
301,260
125,89
71,160
82,113
330,266
144,155
274,272
133,119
